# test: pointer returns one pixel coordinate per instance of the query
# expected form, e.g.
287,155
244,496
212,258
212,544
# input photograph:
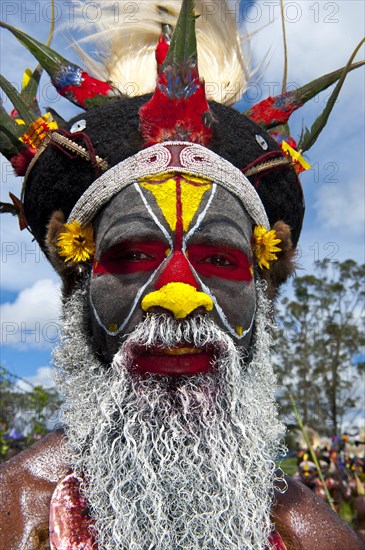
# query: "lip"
178,361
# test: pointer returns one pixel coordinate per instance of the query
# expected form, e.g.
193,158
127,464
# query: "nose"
180,299
177,290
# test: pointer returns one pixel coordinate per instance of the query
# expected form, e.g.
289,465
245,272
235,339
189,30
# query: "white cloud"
22,261
42,377
320,36
32,320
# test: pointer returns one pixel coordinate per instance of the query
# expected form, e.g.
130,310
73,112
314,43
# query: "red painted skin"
120,263
146,256
71,526
29,480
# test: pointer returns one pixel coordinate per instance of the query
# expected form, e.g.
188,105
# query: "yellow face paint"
179,298
171,192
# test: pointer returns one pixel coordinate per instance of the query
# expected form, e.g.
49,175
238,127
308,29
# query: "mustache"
162,331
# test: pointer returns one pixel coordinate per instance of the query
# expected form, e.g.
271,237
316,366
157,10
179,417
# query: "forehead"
184,158
172,201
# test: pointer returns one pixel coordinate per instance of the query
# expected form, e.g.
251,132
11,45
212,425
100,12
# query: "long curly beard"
172,463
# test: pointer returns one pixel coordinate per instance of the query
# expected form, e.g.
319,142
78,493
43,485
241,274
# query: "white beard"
172,463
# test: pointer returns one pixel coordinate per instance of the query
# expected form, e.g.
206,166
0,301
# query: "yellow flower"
76,243
265,246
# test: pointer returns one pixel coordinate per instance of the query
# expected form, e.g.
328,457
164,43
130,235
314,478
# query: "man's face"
178,245
169,459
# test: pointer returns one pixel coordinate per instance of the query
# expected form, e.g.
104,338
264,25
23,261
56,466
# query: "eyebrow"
131,218
128,218
222,220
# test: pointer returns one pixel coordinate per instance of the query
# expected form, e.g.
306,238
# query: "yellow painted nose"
179,298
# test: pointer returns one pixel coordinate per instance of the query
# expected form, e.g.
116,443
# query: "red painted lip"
179,361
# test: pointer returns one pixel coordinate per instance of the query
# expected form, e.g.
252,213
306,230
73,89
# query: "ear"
285,265
71,273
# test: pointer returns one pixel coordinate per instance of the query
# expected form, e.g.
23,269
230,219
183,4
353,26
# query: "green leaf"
29,92
183,46
313,88
48,58
310,137
9,125
8,146
24,111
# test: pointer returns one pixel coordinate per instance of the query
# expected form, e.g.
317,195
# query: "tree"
25,411
320,333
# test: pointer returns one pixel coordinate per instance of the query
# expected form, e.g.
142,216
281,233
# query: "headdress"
70,167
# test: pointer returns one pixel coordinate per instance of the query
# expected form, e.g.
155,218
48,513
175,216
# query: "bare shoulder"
27,482
306,522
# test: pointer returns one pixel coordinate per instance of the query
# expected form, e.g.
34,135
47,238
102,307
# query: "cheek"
237,301
112,300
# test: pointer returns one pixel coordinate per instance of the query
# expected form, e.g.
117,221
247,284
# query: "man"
169,260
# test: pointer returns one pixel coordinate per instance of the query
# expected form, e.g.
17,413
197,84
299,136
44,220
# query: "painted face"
172,243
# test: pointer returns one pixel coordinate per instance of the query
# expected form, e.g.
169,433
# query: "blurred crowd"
341,460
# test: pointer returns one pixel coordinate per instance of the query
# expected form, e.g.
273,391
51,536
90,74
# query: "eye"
222,262
218,260
130,257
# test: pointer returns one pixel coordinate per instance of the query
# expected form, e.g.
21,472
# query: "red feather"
90,87
21,161
273,110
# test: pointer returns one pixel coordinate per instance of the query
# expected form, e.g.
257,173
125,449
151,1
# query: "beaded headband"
183,157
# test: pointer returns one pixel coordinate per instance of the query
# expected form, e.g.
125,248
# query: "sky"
321,36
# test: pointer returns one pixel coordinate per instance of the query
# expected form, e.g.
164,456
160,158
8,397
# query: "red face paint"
178,270
187,364
131,257
209,261
223,262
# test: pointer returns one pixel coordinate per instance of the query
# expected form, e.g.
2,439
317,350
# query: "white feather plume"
119,42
